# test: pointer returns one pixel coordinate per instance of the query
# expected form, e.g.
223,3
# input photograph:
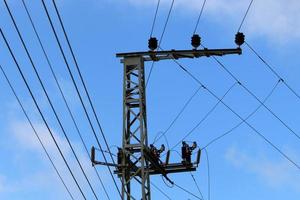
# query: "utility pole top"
178,54
136,159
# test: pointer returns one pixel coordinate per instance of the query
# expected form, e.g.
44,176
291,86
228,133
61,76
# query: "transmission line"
62,93
85,89
160,39
155,16
243,20
186,191
77,91
49,100
177,116
248,117
35,131
208,173
80,75
238,115
272,69
197,186
199,17
205,116
161,191
254,96
40,112
166,23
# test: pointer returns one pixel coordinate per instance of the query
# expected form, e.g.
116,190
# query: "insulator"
239,38
93,155
183,150
162,148
194,145
196,41
120,156
152,43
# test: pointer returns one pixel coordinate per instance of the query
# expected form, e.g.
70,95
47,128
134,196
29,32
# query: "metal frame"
177,54
135,138
137,163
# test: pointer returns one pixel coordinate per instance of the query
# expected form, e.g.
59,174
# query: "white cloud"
278,20
274,173
27,142
24,135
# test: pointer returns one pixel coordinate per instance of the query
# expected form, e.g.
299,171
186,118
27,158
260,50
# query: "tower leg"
135,138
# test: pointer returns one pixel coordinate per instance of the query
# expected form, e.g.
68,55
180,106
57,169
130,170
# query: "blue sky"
242,165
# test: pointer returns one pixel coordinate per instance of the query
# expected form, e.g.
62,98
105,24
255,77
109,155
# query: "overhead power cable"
161,39
77,90
177,116
166,23
186,191
35,132
239,116
161,191
155,16
81,78
205,116
255,97
272,69
243,20
208,174
62,93
242,122
78,93
199,17
197,186
40,112
49,100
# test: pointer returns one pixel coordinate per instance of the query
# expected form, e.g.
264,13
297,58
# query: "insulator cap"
239,38
152,43
196,41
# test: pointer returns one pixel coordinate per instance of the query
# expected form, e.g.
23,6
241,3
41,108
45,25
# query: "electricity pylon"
137,161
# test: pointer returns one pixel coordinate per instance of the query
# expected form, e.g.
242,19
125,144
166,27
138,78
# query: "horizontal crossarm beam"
177,54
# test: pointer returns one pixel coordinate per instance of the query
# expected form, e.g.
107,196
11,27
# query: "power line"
197,186
208,173
178,115
80,74
40,112
240,123
239,116
155,16
235,113
48,98
243,20
205,116
254,96
35,131
272,69
199,17
77,90
166,23
161,133
186,191
61,92
161,39
161,191
81,77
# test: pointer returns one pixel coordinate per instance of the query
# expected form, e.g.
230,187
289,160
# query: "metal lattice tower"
135,138
136,160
